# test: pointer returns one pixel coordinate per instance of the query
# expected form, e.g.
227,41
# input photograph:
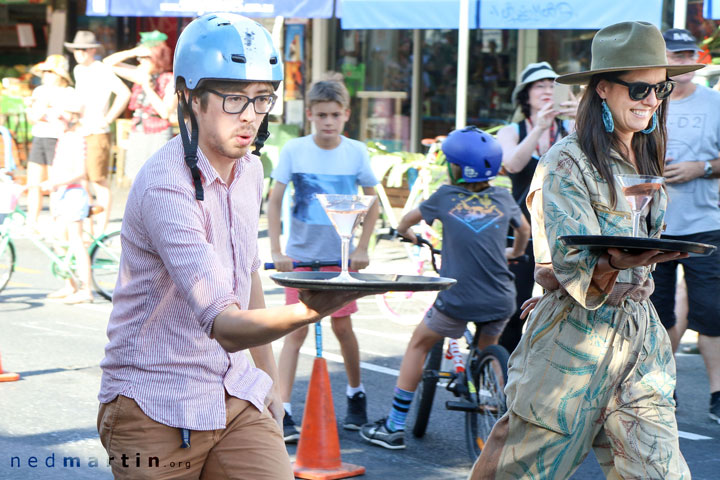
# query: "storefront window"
377,65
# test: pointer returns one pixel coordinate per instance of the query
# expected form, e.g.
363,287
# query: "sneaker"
290,430
378,434
715,410
356,412
78,297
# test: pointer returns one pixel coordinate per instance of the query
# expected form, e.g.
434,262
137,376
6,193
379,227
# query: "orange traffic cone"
6,376
318,452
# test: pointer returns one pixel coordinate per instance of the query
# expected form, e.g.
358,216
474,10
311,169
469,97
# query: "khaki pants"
593,381
250,448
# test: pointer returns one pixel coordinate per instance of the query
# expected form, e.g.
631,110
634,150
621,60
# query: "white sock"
288,408
350,391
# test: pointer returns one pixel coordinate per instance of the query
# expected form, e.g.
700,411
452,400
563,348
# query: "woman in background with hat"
523,142
152,99
595,367
47,125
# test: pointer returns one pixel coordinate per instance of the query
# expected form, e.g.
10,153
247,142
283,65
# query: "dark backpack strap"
262,136
522,130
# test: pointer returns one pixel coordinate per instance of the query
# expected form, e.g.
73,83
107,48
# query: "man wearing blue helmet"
179,398
475,217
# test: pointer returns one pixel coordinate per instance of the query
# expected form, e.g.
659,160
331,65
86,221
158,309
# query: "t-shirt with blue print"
312,170
475,227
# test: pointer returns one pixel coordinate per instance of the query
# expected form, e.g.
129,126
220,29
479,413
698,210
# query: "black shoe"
356,412
290,430
378,434
715,410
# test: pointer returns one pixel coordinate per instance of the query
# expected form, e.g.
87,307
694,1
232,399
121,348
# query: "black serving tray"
636,244
369,282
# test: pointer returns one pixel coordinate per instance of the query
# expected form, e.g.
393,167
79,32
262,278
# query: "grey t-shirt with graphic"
475,227
693,136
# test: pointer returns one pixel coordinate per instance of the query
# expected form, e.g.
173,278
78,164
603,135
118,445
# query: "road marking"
692,436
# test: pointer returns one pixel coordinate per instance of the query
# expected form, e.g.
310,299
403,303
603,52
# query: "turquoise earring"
652,125
607,118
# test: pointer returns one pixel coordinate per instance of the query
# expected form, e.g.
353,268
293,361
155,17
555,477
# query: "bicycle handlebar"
316,264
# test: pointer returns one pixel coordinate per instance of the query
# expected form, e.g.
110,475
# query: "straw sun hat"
627,46
54,63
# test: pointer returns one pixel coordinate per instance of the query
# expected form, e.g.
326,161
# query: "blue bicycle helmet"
222,46
476,152
226,46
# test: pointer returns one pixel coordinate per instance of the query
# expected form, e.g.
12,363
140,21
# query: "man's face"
226,137
683,57
84,56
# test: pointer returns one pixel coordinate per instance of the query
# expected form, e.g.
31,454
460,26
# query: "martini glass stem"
345,255
636,223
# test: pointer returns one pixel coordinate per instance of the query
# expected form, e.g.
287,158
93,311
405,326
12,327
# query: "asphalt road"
51,413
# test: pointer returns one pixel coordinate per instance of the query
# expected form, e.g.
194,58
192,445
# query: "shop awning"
496,14
193,8
711,9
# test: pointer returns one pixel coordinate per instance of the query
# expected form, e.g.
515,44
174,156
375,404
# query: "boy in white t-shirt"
326,162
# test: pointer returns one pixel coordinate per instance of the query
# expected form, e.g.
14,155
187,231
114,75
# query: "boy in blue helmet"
177,390
475,217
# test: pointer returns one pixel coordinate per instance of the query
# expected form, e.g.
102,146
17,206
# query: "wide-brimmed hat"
56,64
532,73
627,46
83,39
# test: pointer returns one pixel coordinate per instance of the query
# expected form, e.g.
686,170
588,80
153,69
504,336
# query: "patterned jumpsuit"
595,368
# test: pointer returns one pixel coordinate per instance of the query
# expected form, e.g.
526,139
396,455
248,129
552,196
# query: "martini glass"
639,190
346,212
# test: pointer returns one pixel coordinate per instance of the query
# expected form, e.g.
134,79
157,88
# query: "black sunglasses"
640,90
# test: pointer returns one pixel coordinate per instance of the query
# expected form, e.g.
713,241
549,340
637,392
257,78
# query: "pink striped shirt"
183,262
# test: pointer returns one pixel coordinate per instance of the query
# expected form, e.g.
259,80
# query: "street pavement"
48,418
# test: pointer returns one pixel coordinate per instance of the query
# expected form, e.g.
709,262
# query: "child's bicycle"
477,379
104,250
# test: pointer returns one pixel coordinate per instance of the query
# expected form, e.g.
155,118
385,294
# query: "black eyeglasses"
234,103
640,90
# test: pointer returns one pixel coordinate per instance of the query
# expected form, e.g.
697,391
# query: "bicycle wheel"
105,263
405,308
425,392
488,371
7,261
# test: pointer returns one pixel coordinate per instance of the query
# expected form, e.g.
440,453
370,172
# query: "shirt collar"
210,175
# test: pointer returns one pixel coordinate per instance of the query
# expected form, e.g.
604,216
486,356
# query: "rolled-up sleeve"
560,204
179,237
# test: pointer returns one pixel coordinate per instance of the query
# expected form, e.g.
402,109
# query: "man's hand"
359,259
283,263
274,404
326,302
682,172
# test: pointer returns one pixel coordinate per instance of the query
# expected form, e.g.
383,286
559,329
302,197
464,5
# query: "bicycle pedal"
460,406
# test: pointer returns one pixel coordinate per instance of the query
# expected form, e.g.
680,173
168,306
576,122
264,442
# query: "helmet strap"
450,174
262,136
190,144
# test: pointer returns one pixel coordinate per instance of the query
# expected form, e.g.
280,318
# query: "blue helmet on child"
226,46
477,153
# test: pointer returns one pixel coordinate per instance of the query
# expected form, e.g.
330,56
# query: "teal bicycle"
104,252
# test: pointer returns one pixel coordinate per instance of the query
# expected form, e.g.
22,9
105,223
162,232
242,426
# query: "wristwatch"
708,169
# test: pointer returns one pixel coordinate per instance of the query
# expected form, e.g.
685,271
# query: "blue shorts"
702,277
71,204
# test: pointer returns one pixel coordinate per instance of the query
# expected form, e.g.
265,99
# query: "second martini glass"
346,212
639,190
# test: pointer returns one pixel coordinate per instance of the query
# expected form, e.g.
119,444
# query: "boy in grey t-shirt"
475,218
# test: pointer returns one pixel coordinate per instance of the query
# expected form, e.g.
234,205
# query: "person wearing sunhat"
43,113
523,142
595,367
152,101
96,84
691,172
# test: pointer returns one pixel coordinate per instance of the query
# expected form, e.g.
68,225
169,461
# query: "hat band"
533,70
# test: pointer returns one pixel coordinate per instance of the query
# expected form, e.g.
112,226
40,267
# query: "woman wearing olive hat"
523,142
595,367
